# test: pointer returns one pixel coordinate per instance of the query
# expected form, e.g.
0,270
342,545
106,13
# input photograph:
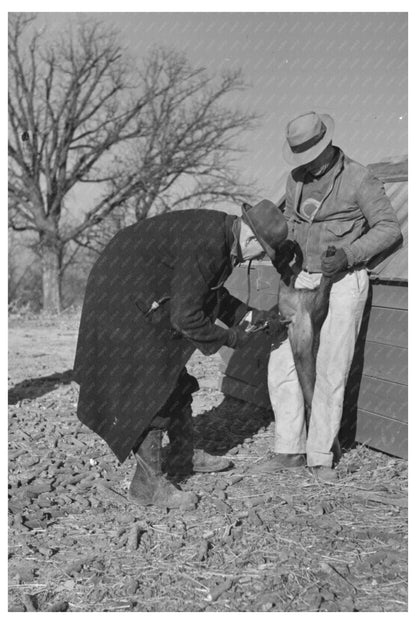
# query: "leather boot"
279,461
149,486
182,458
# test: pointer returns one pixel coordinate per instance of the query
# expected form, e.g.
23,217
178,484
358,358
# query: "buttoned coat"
151,300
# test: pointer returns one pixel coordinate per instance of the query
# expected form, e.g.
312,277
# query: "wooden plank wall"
375,410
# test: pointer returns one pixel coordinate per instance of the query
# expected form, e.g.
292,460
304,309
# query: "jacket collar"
233,225
231,240
334,171
298,174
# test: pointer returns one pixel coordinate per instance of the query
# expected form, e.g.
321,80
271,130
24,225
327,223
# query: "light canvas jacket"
355,214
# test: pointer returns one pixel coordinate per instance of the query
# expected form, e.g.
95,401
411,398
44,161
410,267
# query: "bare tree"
76,117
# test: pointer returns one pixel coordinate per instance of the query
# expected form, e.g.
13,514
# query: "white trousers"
336,349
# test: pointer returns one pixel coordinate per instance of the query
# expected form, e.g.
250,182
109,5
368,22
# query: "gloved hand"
258,317
331,265
284,256
237,337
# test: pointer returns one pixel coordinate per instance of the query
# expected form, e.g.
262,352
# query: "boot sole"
149,502
171,472
213,469
139,501
276,468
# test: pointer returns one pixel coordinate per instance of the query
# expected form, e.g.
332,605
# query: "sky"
352,66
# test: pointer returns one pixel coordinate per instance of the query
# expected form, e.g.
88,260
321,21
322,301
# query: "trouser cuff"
316,458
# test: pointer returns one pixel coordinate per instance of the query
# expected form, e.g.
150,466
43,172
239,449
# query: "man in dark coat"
151,300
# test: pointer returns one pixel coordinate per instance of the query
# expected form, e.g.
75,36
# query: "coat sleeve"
189,291
384,229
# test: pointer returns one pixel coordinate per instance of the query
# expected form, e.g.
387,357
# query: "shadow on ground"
38,386
216,430
223,427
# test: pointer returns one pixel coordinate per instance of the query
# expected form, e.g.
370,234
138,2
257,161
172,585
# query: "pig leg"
300,335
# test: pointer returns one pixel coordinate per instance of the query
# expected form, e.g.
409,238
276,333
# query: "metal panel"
390,296
262,287
382,433
388,326
384,398
385,362
391,169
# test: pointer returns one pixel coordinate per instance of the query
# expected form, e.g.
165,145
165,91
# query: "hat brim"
309,155
269,250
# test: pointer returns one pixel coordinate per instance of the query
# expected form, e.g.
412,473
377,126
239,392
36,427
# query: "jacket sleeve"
189,290
384,229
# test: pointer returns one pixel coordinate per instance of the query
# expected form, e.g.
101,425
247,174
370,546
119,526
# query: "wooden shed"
376,402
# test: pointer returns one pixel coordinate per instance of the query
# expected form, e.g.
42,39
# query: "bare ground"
254,543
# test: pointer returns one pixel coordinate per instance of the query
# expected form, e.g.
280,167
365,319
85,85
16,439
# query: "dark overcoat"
151,300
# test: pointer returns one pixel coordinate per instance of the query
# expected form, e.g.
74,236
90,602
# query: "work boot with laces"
149,486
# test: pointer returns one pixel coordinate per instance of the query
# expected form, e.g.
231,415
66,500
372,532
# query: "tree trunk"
51,277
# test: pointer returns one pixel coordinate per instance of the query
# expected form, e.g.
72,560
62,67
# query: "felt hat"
306,138
268,225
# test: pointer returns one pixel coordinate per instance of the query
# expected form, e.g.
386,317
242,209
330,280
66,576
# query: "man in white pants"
330,200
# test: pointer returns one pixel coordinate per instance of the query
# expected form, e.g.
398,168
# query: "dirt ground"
253,543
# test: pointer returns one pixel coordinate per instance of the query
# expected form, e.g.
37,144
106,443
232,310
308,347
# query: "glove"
237,337
331,265
284,256
258,317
